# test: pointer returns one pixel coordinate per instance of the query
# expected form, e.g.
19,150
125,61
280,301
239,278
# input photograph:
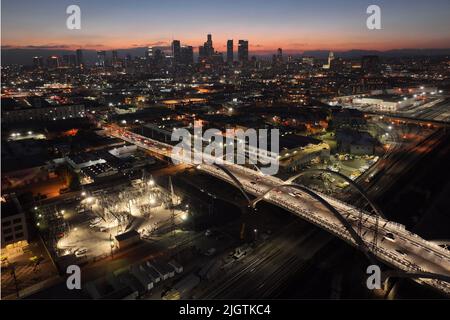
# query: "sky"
294,25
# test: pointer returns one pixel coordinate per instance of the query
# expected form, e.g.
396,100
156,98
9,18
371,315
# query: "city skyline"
295,26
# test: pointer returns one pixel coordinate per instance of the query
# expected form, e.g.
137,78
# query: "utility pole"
13,273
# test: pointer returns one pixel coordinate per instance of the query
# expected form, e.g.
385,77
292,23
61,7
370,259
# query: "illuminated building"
53,62
38,62
101,58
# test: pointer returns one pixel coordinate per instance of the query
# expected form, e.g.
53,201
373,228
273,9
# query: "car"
81,252
96,220
390,237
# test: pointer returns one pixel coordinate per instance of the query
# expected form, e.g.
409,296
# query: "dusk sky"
294,25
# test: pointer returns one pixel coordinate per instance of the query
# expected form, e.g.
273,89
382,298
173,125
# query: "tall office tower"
128,61
149,53
370,64
69,60
115,58
280,54
230,53
80,61
176,50
158,56
208,46
101,58
330,58
243,51
201,52
53,62
38,62
187,55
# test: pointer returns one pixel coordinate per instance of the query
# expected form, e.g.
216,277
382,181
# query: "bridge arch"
328,206
374,207
395,274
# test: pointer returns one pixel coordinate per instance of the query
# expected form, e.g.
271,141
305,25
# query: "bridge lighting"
151,183
83,194
152,200
184,216
35,208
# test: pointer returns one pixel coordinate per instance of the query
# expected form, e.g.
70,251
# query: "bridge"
377,237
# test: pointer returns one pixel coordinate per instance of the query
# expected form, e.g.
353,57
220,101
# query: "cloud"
298,44
45,47
158,43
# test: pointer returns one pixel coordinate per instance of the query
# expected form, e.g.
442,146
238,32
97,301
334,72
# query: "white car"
81,252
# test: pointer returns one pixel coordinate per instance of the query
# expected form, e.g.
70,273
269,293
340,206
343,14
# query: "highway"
393,244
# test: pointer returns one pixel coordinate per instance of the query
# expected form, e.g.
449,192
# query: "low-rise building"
355,142
14,235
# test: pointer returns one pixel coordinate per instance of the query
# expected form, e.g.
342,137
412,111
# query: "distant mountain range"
25,56
390,53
